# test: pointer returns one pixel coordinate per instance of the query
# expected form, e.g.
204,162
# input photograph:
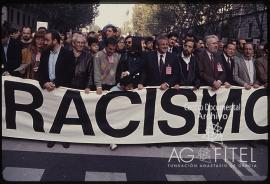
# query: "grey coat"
240,72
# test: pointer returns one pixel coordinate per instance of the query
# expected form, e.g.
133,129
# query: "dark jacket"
228,69
261,65
64,68
176,50
131,62
150,73
197,51
192,77
207,74
14,57
101,44
84,74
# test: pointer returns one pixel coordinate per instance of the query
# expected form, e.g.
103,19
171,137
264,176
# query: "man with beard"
26,37
56,64
105,66
189,72
211,68
128,42
56,67
240,47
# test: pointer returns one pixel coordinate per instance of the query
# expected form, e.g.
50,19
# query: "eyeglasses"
128,42
80,43
188,46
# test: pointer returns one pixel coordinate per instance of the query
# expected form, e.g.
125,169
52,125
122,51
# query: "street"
30,160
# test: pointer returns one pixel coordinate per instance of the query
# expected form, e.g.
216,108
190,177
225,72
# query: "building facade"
246,23
245,27
17,18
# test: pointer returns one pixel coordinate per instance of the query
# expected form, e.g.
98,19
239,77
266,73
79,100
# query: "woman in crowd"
31,57
120,49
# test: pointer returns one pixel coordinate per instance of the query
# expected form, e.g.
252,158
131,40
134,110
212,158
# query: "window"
24,19
11,15
18,18
33,23
249,30
28,20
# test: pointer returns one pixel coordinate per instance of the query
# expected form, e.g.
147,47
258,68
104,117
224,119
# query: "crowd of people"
106,60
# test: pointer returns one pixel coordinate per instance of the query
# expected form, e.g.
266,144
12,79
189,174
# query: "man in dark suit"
228,55
173,39
189,71
211,68
56,64
10,54
160,68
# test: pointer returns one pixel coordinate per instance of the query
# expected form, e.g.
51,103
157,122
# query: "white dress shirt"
6,48
250,68
186,59
170,49
52,62
209,54
163,58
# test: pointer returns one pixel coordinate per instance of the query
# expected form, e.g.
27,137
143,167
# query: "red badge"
168,70
219,67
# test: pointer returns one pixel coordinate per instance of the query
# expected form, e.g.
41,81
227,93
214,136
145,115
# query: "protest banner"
133,117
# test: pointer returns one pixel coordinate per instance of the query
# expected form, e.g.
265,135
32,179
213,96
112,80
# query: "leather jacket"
133,64
84,75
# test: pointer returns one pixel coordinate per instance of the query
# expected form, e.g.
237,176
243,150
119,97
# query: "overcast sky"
115,14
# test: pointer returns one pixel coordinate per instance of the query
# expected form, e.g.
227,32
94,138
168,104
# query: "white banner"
134,117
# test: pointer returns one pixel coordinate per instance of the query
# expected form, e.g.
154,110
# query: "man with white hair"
211,67
160,67
84,74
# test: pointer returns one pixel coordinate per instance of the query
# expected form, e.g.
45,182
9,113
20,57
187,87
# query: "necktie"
229,62
212,62
161,64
